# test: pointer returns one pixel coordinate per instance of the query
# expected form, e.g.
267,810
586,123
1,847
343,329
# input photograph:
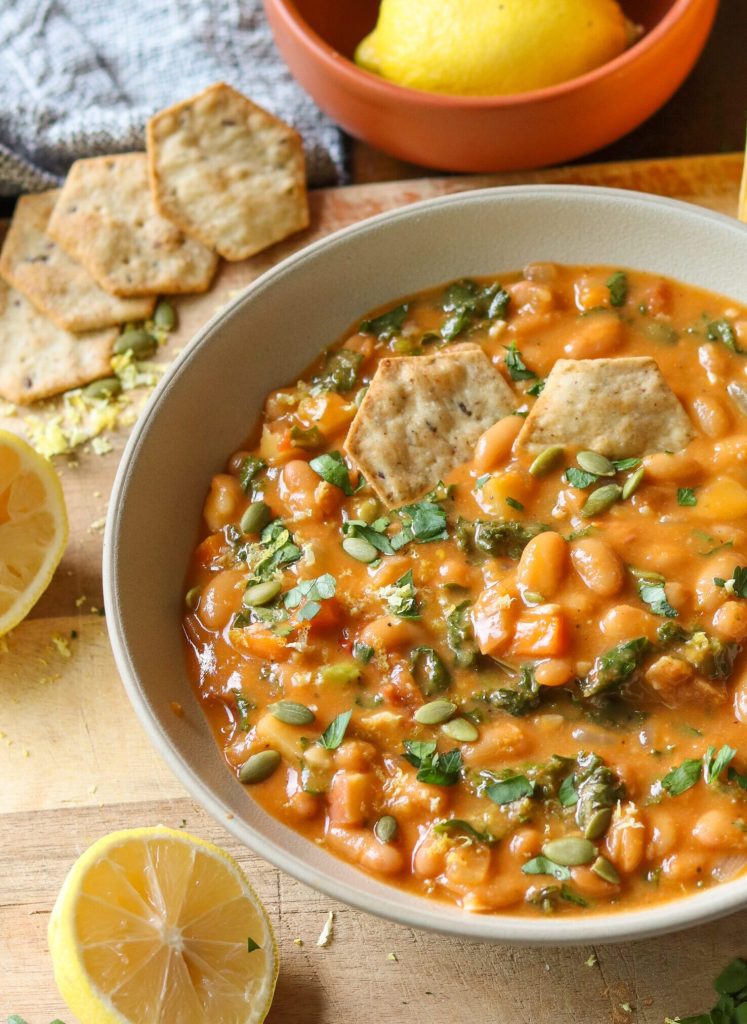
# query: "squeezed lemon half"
154,926
33,528
489,48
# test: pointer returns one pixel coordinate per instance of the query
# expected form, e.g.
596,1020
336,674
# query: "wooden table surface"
75,763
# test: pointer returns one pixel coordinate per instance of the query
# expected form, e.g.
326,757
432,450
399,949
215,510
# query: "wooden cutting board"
75,763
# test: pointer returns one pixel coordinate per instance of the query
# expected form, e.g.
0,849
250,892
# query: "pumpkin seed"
165,316
292,713
192,598
262,593
570,851
633,482
104,387
255,518
461,730
598,823
386,828
435,712
547,460
605,870
600,500
595,463
259,767
360,549
139,342
367,510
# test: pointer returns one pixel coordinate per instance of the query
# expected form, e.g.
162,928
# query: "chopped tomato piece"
328,617
541,635
492,619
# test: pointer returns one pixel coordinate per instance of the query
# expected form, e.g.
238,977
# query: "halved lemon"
154,926
33,528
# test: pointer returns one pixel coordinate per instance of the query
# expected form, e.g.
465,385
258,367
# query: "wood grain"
74,763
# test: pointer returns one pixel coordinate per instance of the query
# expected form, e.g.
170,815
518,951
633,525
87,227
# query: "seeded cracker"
227,172
421,418
38,359
59,287
105,219
620,408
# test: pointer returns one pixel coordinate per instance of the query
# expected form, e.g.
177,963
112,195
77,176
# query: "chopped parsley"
340,372
251,945
514,504
537,388
459,827
467,302
334,734
374,533
362,652
517,368
678,780
723,330
423,522
580,478
401,598
714,762
544,866
618,288
481,481
433,768
651,591
515,787
686,497
387,324
737,585
331,466
251,467
304,598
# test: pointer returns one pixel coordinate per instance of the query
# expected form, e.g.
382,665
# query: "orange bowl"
489,133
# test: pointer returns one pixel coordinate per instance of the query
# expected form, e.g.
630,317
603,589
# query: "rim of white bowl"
431,915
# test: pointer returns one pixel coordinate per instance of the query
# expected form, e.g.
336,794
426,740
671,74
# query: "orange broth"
636,757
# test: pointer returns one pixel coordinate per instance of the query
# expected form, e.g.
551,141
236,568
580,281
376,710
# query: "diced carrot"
541,635
208,549
362,343
492,620
260,641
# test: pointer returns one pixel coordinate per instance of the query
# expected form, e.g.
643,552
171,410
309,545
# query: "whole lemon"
491,47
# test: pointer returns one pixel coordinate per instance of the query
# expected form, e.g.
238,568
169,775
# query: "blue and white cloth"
81,77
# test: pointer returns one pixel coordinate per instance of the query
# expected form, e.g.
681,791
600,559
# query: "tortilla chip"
620,408
227,172
58,286
105,219
421,418
38,359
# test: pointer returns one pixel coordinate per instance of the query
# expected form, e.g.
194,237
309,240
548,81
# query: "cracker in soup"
421,418
59,287
227,172
39,359
617,407
105,219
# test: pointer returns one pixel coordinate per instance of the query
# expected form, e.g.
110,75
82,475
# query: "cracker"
421,418
39,359
59,287
620,408
227,172
105,219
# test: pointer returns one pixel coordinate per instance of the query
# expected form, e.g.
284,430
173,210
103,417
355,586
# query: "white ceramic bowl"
210,399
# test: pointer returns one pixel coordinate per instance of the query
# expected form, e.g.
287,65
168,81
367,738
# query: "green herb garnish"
618,288
304,598
433,768
251,467
517,368
686,497
580,478
340,372
334,734
516,787
736,585
457,826
374,533
387,324
251,945
401,598
423,522
651,591
615,667
722,330
678,780
332,467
